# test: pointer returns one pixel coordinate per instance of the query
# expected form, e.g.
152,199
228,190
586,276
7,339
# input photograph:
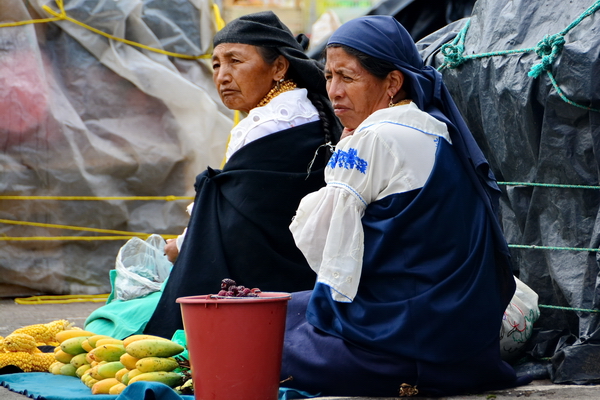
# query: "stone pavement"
13,316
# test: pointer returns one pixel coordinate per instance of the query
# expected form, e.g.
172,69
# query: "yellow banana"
55,367
94,373
108,352
90,382
151,364
93,339
68,370
153,348
81,370
134,372
133,338
120,373
85,377
101,342
110,369
103,386
63,357
117,389
78,360
130,374
73,345
128,360
61,336
171,379
86,346
125,378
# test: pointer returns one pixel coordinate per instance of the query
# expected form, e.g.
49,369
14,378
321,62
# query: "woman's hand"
171,250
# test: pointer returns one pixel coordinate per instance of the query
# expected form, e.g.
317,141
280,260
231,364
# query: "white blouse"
392,151
284,111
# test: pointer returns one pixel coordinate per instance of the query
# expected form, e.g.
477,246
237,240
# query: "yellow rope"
123,234
74,228
218,19
61,15
81,238
69,298
88,198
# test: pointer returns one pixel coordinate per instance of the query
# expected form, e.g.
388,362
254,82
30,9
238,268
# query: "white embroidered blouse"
392,151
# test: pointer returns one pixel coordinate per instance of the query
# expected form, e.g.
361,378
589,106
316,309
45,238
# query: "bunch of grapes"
229,288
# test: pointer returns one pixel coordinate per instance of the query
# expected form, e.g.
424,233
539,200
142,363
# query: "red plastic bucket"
235,345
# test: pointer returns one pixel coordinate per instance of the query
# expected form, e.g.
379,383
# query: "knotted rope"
548,49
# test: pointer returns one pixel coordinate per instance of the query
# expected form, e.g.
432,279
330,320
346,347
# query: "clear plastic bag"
517,324
142,267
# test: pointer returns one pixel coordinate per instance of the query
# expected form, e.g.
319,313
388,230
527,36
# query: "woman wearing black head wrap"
239,223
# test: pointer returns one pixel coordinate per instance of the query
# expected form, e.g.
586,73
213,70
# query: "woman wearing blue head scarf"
414,273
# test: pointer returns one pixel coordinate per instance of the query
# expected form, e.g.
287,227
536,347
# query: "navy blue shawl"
429,290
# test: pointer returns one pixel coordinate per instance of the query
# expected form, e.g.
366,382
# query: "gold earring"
391,102
278,83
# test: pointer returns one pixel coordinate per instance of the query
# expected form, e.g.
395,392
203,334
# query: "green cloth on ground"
122,318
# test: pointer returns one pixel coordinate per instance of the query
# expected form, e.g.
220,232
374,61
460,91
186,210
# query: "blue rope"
555,185
547,49
587,310
453,51
551,45
562,95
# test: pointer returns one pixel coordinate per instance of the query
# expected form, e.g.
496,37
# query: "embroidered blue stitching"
350,189
348,160
405,125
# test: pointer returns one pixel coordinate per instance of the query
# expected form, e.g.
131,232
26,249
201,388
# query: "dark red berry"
225,283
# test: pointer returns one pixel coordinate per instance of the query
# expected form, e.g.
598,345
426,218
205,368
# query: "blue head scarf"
384,38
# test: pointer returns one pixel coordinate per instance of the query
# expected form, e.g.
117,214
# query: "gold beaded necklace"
281,87
400,103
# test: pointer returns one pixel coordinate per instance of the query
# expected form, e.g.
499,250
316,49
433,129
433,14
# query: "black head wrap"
265,29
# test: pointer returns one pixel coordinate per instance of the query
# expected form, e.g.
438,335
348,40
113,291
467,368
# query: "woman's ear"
281,65
396,80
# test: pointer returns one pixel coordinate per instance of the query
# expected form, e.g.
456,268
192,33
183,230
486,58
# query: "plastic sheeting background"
529,134
82,116
418,17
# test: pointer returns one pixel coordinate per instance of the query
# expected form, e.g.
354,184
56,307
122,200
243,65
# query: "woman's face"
241,76
354,93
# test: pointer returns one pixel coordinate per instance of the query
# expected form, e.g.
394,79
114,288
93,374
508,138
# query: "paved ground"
13,316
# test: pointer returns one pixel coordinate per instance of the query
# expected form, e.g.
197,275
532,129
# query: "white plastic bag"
517,324
141,267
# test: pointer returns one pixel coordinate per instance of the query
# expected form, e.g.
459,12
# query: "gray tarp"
84,116
529,134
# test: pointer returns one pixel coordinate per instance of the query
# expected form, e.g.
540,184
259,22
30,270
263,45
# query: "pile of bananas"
107,365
